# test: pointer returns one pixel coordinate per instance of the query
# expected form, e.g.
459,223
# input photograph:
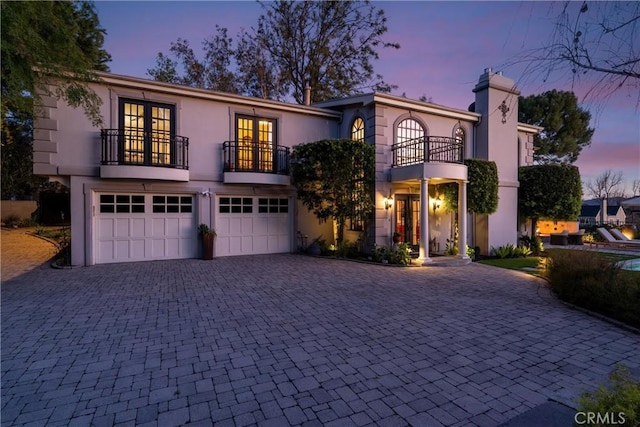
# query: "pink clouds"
445,46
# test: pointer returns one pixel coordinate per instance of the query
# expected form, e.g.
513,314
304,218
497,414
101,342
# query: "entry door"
408,219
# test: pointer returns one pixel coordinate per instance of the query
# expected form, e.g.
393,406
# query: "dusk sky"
445,46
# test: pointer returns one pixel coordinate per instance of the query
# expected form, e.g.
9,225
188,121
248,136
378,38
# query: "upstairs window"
256,141
409,142
356,220
148,129
357,129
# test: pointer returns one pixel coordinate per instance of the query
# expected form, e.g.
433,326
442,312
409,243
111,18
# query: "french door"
148,132
408,218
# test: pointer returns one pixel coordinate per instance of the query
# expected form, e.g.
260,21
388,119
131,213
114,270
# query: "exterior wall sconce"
388,202
436,204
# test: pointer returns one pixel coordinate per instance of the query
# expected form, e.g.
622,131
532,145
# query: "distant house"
593,214
632,209
171,157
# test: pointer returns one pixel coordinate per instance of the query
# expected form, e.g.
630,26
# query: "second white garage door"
252,225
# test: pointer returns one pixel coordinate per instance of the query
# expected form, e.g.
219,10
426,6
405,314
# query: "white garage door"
141,227
253,225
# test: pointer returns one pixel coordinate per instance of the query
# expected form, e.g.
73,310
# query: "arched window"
356,220
409,146
357,129
459,135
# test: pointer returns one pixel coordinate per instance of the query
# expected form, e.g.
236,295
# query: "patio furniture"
560,239
618,235
612,241
576,238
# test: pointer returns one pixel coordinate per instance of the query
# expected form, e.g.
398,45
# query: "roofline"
525,127
401,102
174,89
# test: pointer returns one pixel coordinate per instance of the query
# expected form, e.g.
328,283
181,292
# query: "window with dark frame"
256,137
121,203
357,129
149,128
410,148
355,220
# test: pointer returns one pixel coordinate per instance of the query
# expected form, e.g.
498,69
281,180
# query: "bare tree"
635,187
329,46
594,43
606,185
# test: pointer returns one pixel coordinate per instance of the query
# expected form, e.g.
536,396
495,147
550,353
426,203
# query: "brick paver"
289,339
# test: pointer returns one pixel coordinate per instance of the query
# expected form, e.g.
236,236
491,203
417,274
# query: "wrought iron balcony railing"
137,148
428,149
250,156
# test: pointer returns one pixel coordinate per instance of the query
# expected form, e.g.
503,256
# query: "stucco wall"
21,208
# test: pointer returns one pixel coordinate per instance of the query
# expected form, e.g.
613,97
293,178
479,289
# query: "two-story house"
171,157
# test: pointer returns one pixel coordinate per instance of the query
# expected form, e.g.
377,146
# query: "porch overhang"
449,171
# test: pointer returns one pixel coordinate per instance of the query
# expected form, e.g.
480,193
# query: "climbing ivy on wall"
335,178
482,188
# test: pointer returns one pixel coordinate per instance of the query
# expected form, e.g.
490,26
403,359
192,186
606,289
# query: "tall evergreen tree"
566,126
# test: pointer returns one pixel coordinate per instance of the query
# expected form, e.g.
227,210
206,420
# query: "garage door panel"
105,227
235,226
106,250
158,226
235,246
137,248
247,226
247,244
122,250
158,248
137,227
122,228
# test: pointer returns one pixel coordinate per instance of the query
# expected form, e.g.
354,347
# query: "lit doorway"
408,219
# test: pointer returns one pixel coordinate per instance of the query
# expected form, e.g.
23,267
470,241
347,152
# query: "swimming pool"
630,264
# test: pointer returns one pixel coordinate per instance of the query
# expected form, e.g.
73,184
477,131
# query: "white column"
462,220
424,222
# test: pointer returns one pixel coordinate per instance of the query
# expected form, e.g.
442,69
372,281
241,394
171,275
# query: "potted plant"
208,235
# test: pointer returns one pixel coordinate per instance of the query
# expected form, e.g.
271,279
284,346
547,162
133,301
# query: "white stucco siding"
503,224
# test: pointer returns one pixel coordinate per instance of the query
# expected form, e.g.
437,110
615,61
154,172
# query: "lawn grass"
513,263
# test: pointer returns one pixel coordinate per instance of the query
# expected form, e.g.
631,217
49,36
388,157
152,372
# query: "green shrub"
28,222
595,282
533,243
505,251
348,249
622,397
451,247
511,251
401,254
522,252
380,253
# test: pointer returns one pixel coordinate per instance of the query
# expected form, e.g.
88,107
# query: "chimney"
603,210
307,95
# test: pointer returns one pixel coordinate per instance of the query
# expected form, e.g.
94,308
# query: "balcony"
249,162
144,155
428,157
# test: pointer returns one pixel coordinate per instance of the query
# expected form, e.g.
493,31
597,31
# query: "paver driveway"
288,339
